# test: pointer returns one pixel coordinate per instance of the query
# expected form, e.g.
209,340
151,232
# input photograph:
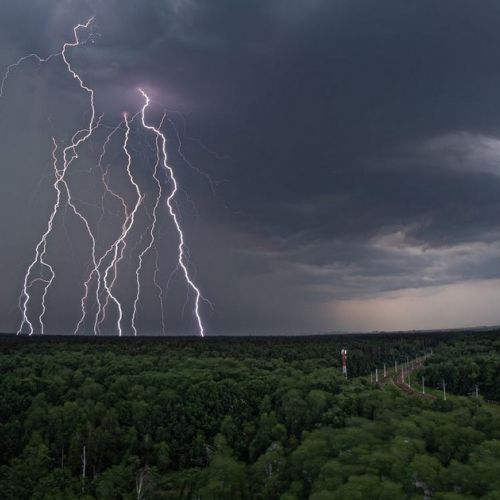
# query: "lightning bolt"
120,244
159,289
152,229
173,213
69,155
19,62
40,252
97,265
105,268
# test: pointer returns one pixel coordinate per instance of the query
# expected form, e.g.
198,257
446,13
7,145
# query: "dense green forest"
463,364
251,418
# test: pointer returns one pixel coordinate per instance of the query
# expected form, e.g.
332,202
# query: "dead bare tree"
141,483
84,467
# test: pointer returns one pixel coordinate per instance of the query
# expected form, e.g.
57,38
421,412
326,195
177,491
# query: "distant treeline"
365,351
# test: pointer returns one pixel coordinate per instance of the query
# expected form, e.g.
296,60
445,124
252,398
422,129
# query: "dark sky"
354,146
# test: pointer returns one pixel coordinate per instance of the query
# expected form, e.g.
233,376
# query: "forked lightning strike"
78,137
173,213
97,266
121,243
40,252
152,229
105,269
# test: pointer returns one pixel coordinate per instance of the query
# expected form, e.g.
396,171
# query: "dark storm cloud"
358,139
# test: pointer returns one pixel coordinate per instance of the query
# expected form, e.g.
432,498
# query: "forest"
464,365
248,418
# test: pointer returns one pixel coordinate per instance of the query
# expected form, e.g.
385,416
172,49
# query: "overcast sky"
353,145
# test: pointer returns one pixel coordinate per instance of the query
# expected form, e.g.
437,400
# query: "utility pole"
385,371
423,385
376,375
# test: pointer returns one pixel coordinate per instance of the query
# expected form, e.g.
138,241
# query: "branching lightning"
78,137
152,229
100,315
103,271
40,252
173,212
121,243
19,62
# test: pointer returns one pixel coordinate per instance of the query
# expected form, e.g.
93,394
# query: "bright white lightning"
173,213
40,252
97,265
78,137
121,243
152,229
105,278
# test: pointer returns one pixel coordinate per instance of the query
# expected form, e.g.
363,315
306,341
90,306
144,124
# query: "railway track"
398,381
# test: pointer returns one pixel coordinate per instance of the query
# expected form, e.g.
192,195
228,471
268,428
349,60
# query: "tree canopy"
261,418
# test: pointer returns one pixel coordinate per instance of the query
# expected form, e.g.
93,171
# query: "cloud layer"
355,146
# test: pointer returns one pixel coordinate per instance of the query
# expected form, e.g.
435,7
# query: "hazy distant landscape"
238,418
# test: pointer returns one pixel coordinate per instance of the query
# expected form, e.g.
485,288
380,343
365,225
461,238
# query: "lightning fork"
77,138
120,244
19,62
40,252
152,228
173,213
107,277
97,265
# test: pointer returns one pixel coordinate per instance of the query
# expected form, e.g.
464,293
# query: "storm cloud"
354,147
